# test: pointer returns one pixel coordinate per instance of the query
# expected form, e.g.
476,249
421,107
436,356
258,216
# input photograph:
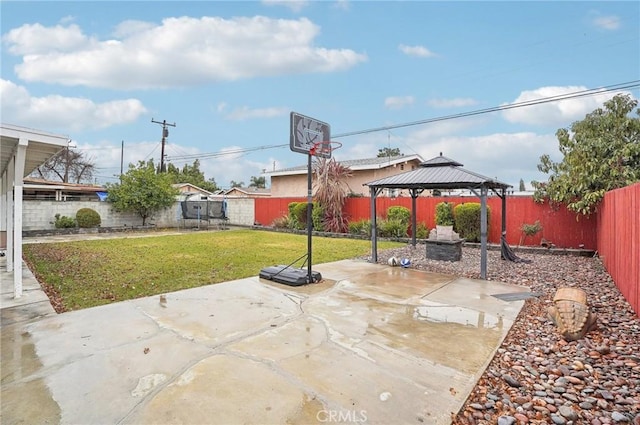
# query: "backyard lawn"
84,274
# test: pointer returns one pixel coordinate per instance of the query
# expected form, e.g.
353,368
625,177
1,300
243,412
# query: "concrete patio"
368,344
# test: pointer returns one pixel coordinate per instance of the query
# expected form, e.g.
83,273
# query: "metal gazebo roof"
441,173
438,173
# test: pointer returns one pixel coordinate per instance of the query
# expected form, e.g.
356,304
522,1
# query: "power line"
566,96
228,152
557,98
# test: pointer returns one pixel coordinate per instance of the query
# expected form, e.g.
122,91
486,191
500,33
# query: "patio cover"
22,150
440,173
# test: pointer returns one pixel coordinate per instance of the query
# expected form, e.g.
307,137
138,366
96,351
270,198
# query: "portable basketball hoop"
311,137
324,149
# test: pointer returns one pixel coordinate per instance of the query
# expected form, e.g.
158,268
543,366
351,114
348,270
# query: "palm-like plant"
331,191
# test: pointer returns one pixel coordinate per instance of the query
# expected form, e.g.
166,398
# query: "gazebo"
441,173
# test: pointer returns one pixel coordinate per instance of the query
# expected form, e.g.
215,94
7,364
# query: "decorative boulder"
570,313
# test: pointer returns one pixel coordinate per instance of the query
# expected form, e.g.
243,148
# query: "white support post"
20,159
9,210
3,211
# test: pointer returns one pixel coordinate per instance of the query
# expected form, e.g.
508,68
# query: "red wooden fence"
619,240
561,226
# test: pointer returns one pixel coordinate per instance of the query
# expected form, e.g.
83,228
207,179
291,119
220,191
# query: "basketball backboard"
306,131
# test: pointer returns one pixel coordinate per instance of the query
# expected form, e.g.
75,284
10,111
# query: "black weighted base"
288,275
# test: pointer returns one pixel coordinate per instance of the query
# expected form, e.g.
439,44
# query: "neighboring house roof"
181,186
438,173
354,164
35,183
249,191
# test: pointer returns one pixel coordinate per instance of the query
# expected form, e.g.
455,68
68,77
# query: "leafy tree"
331,191
601,153
385,152
259,182
142,190
67,166
522,186
191,174
210,185
234,183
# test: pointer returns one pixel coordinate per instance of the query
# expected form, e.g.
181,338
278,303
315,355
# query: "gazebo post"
374,226
414,195
483,232
503,191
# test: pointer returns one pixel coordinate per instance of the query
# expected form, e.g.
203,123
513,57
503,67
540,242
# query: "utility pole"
165,134
121,158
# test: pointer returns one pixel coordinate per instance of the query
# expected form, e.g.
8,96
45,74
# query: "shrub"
64,222
467,220
360,227
531,229
298,215
422,231
317,217
444,214
86,217
392,229
398,213
281,222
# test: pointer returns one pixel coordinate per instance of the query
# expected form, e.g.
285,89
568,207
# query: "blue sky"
228,74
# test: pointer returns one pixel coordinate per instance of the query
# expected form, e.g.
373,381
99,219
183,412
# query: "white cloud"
559,113
452,103
180,51
398,102
34,41
245,113
55,111
295,5
418,51
609,23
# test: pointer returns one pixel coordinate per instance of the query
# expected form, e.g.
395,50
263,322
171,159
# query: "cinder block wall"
241,211
40,215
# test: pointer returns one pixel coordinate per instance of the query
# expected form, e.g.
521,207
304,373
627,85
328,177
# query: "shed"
441,173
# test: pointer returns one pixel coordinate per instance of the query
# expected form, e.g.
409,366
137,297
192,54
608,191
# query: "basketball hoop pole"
309,218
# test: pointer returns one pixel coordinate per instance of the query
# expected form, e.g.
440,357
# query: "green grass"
84,274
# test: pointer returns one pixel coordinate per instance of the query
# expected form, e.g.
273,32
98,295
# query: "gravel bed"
536,377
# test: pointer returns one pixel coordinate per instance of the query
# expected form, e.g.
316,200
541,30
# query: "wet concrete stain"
450,335
26,399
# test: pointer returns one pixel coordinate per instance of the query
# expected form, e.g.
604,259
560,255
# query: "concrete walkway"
368,344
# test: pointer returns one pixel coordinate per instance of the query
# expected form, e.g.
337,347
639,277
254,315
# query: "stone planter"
444,250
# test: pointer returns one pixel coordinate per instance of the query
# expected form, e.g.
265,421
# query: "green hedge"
87,218
398,213
298,216
467,220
